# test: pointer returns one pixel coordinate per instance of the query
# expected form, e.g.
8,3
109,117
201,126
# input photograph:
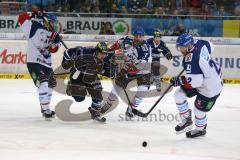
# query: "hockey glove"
54,36
53,48
178,81
168,56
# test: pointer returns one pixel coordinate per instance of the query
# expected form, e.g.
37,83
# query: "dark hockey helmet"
157,34
102,47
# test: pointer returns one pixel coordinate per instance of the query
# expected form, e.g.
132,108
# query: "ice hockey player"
136,66
158,47
202,79
42,41
85,63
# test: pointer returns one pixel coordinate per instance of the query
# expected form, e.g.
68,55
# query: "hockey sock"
50,90
200,119
183,109
113,95
43,95
97,104
139,95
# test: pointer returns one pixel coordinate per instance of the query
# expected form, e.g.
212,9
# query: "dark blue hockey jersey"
158,49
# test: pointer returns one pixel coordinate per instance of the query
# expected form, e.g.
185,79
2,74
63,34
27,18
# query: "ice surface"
25,135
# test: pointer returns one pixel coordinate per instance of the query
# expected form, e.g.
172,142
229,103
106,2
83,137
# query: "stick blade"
139,113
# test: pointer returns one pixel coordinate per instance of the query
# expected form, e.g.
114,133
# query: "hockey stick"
129,102
60,39
64,73
172,56
59,74
141,114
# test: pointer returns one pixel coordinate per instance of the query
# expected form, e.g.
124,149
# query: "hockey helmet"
102,47
50,22
184,40
157,34
51,17
138,31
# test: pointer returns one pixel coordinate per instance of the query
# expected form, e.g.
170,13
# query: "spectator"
178,30
193,11
93,2
74,5
144,10
237,11
120,3
85,8
42,3
159,11
168,6
207,10
196,4
221,12
107,29
96,9
210,6
105,6
135,6
114,11
179,4
150,6
124,10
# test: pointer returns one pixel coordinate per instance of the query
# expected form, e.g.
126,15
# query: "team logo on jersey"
189,68
198,103
188,57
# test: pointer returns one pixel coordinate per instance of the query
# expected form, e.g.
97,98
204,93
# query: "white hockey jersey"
38,41
140,55
202,72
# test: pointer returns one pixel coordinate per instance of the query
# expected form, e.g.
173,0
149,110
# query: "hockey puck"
144,144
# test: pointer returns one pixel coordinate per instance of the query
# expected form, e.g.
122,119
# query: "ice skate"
96,114
105,108
185,125
48,114
196,132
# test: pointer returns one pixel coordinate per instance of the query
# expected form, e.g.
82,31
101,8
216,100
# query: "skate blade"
189,128
101,120
47,119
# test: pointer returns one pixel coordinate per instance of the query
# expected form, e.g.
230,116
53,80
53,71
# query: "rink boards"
13,57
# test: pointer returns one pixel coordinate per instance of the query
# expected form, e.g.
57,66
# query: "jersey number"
215,66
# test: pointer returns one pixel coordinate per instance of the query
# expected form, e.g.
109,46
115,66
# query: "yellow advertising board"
231,28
